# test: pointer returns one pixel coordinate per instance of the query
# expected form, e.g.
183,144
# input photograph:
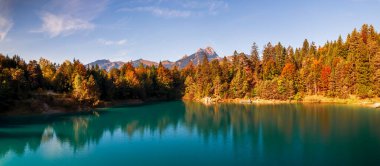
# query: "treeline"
86,84
337,69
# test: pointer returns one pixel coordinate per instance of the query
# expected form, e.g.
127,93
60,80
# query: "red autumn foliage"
325,75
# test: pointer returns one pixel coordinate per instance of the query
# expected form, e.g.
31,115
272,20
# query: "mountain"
167,64
196,58
136,63
106,64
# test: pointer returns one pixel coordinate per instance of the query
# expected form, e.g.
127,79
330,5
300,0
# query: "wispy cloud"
160,12
6,22
177,8
209,6
112,42
5,26
62,18
56,25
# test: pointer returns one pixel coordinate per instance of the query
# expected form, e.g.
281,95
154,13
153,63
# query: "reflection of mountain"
261,129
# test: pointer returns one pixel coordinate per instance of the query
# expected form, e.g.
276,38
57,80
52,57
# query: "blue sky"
168,29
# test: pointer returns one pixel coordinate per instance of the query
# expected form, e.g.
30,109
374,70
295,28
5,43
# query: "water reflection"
274,134
305,131
78,131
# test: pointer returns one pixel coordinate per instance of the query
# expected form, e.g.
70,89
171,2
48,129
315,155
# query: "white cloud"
62,18
179,8
5,26
160,12
56,25
6,22
209,6
215,7
112,42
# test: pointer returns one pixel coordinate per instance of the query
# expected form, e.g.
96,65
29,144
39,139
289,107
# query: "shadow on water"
268,134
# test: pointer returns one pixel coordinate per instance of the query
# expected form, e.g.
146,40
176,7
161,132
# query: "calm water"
178,133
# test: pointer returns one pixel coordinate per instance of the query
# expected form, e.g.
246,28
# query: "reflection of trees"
242,122
90,129
16,141
263,129
81,130
286,128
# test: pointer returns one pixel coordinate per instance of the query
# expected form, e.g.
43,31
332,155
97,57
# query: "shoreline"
370,102
41,107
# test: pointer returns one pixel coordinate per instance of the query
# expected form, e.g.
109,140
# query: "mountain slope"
136,63
197,57
106,64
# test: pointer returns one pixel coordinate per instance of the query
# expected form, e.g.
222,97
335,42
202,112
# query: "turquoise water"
187,133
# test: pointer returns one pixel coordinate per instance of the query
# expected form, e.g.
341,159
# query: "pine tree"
269,65
305,49
164,81
34,75
376,74
362,67
92,91
190,89
280,57
255,63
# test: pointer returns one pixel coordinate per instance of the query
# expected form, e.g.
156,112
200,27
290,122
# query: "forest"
337,69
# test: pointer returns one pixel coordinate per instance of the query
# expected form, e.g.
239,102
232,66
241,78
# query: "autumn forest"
346,66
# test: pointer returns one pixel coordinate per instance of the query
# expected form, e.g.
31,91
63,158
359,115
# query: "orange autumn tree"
289,71
325,77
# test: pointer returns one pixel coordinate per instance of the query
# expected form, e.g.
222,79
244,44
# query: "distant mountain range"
196,58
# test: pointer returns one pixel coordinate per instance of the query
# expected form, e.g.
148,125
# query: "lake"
189,133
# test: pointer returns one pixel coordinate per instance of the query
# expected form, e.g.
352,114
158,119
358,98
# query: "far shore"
352,100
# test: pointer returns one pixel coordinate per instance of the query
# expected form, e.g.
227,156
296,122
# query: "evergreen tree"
376,75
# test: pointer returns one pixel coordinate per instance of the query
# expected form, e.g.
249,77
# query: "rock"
247,101
376,105
45,107
207,100
96,113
